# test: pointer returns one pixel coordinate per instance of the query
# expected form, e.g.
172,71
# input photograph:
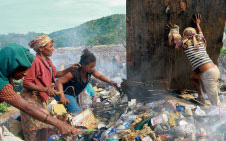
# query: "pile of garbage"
109,116
106,104
164,120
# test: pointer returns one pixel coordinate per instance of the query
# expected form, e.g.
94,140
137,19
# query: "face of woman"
89,68
19,73
48,49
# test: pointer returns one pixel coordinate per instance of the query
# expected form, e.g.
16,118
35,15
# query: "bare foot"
201,99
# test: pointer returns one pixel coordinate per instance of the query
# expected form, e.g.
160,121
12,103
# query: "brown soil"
10,111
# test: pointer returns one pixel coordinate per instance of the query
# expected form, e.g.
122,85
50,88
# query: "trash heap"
163,120
104,103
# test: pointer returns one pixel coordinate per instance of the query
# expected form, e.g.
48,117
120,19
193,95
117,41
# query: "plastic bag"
90,90
5,135
85,97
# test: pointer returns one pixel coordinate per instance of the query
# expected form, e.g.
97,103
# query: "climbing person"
194,45
15,61
74,82
37,85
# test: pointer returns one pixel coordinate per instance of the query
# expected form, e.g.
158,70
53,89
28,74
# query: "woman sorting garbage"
74,82
38,86
194,45
15,61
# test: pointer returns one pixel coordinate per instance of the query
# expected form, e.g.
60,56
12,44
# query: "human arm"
21,104
59,85
101,77
174,35
197,21
62,73
31,86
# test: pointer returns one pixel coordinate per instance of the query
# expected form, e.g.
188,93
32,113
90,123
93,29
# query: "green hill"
106,30
22,39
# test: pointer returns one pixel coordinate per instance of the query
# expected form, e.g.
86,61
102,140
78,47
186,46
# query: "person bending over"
193,44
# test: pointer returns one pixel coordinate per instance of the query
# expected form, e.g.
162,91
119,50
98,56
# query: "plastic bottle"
180,108
106,133
159,119
138,138
155,103
199,112
122,127
113,137
129,118
54,138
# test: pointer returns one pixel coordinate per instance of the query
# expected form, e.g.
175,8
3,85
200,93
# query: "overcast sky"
22,16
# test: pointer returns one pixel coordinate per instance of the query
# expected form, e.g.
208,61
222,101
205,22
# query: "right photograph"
175,67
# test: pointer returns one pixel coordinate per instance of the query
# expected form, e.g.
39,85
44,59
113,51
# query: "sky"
46,16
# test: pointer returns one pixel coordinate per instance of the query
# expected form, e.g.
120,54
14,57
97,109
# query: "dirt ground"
10,111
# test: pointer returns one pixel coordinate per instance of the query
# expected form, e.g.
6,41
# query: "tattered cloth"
7,93
40,41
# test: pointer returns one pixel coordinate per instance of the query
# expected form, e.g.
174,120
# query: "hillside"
22,39
106,30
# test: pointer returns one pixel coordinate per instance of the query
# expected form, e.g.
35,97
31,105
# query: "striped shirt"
197,57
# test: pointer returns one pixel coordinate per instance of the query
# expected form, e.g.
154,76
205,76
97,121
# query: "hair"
19,69
87,57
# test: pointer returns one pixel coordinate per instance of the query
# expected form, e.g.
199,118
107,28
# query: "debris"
58,109
85,118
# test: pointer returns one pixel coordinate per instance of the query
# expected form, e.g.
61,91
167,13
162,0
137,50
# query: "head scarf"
190,37
40,41
11,57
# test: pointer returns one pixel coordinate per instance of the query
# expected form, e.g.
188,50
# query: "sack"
5,135
14,127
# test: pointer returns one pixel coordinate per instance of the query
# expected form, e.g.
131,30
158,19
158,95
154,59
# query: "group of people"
38,90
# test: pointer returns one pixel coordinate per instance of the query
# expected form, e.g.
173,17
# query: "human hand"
51,92
75,66
114,84
66,129
169,26
64,100
197,19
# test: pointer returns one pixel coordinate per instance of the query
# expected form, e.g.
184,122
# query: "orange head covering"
40,41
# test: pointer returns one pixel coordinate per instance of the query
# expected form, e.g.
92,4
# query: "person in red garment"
37,85
15,61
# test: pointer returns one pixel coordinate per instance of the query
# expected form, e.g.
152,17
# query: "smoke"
106,64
